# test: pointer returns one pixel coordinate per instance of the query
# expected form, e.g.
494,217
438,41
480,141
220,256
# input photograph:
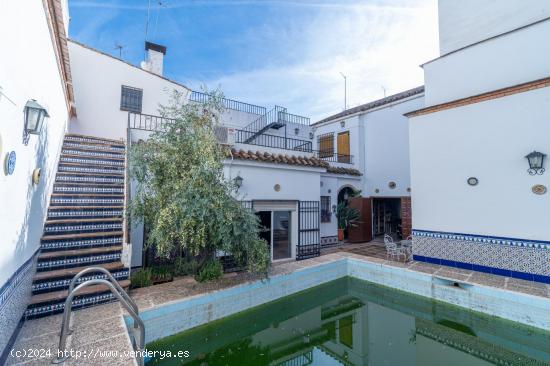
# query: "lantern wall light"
536,163
34,119
238,181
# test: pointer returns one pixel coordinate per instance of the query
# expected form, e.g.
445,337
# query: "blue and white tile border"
484,239
511,257
14,297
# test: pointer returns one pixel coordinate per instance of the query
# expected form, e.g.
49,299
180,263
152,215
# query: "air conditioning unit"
225,135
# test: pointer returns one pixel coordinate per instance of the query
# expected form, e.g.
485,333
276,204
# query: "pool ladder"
119,293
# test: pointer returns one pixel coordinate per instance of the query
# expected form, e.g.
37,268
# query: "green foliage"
183,267
162,273
347,216
182,196
211,270
141,278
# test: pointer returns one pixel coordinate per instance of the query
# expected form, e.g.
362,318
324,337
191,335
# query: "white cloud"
377,44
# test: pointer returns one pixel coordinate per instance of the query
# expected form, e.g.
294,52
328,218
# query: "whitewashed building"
372,138
487,106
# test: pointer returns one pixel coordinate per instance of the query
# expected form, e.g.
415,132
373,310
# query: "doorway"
275,229
386,216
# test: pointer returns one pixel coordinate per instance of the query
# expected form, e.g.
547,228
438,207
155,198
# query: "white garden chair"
395,251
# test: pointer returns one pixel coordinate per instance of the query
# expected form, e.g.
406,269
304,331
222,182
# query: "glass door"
282,248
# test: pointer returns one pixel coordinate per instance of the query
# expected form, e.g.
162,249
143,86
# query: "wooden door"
363,231
343,147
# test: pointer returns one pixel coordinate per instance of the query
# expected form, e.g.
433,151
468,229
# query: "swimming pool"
353,322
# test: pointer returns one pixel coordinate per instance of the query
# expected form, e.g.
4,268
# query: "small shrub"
183,267
141,278
211,270
162,274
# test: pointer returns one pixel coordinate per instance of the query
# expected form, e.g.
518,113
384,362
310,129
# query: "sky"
290,53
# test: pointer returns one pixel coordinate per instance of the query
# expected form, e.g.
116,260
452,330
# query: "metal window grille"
326,145
325,209
131,99
309,237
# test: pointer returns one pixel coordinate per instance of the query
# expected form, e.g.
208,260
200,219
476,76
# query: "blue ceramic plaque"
10,163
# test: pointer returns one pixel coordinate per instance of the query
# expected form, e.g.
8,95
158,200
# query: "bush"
162,273
211,270
183,267
141,278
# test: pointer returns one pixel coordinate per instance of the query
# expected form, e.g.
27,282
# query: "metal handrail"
63,354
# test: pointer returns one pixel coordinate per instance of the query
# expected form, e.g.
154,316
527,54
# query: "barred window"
325,209
326,145
130,99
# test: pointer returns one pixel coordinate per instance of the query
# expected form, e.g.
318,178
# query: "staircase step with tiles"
70,272
53,227
83,212
61,295
84,225
39,287
77,252
74,242
94,139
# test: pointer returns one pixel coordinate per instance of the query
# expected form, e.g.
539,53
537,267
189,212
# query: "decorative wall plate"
9,163
36,175
277,187
392,185
473,181
538,189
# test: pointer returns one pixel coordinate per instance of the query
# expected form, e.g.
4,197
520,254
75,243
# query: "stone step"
81,150
100,156
87,138
83,178
78,252
92,146
86,200
91,161
53,227
82,235
70,272
89,260
90,169
88,212
62,295
73,242
87,189
60,284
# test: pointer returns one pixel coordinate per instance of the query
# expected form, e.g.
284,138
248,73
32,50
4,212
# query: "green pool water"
352,322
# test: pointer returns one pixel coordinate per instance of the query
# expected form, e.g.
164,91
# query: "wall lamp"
238,181
536,163
34,119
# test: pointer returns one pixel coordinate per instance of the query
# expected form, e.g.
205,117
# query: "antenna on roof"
119,47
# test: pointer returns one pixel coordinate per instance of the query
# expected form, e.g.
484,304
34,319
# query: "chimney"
155,58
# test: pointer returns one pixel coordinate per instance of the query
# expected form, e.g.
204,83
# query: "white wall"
464,22
97,81
387,148
508,60
30,72
297,183
331,185
489,141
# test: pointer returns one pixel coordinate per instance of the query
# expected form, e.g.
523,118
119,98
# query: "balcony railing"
285,117
333,157
200,97
278,142
146,122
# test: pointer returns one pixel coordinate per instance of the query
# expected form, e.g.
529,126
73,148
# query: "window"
325,209
343,147
326,145
130,99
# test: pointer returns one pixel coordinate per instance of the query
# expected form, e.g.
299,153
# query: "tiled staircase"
84,226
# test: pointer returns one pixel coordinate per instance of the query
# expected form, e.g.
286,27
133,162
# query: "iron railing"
147,122
333,157
278,142
200,97
294,118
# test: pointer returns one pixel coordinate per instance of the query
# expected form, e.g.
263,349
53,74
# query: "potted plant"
347,216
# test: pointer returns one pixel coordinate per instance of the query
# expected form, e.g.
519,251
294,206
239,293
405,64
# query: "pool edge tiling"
200,309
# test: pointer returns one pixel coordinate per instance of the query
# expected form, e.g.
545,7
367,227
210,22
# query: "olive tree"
182,194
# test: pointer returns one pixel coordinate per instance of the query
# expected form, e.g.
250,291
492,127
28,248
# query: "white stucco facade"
464,22
98,79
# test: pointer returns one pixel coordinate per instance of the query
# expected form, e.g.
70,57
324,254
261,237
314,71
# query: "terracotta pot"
340,234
